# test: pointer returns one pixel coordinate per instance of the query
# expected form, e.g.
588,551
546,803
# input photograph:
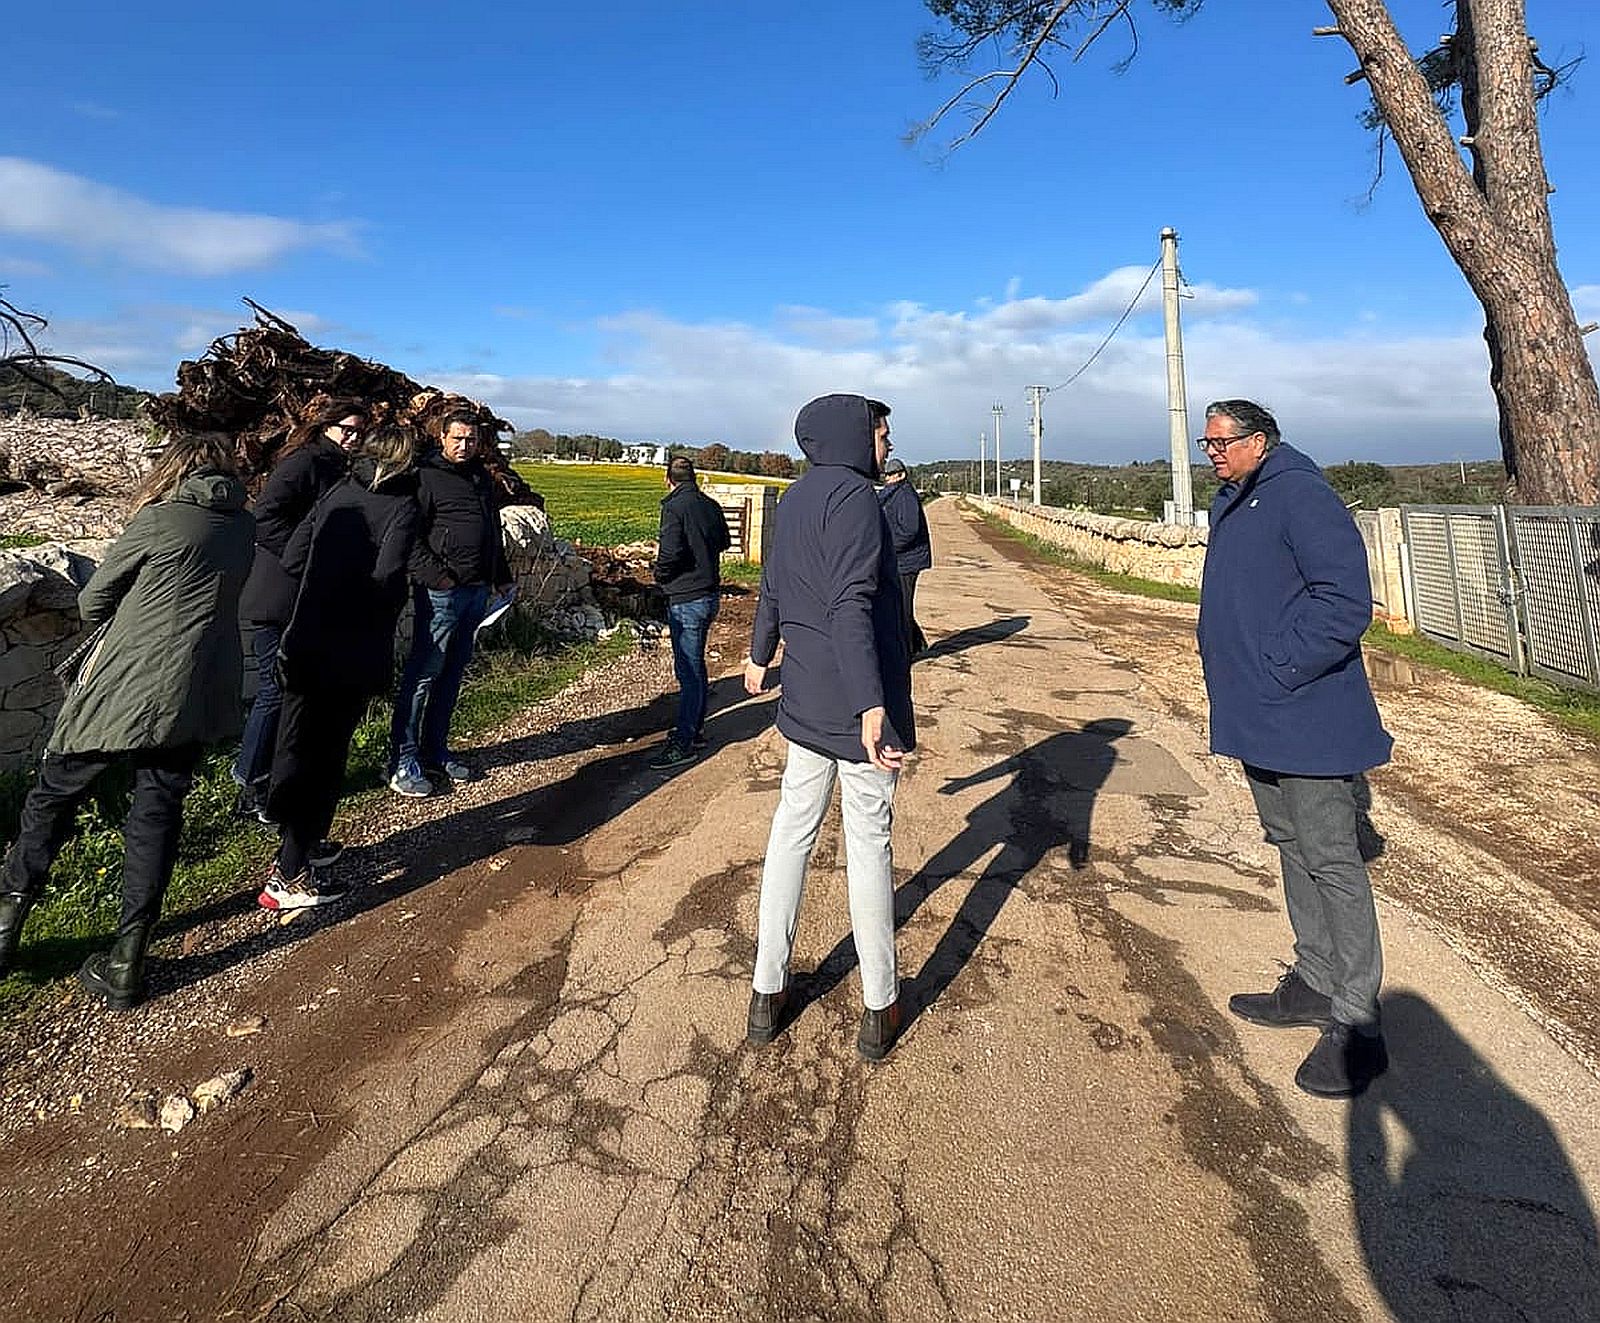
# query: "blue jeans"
441,646
688,623
254,763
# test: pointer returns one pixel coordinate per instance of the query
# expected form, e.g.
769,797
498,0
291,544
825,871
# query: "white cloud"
1586,302
1358,395
40,202
141,346
23,268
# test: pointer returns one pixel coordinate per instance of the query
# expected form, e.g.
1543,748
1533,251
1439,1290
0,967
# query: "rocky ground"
507,1080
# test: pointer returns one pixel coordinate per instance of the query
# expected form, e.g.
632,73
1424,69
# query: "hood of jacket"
212,491
1281,459
837,430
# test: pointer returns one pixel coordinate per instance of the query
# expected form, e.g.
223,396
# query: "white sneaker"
299,893
409,781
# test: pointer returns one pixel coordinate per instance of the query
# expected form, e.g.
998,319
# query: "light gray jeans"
1312,820
867,800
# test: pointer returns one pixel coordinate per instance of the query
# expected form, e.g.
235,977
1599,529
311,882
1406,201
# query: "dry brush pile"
258,384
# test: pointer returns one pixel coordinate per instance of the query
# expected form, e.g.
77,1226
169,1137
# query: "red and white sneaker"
299,893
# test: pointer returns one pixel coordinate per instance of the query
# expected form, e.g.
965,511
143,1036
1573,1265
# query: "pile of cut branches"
261,382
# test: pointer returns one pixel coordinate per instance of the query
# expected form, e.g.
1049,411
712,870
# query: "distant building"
644,452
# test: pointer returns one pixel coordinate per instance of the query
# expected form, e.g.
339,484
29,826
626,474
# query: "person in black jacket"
352,558
913,550
314,458
459,554
694,534
830,593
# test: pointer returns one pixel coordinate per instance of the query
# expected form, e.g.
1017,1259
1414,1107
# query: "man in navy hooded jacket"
830,592
1283,605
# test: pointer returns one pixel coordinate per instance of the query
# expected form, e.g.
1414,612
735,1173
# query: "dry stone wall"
68,479
1164,553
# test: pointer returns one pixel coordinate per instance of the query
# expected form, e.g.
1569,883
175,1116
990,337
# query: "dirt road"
519,1089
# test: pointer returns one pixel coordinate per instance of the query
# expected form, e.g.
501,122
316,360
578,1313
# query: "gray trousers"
867,800
1337,951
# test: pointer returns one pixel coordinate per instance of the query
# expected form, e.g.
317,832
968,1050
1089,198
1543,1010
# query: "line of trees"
1141,488
715,457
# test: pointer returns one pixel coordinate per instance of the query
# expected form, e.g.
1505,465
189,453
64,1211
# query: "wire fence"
1518,584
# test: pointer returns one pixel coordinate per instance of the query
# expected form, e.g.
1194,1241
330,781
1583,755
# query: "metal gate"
1557,555
1520,584
1464,588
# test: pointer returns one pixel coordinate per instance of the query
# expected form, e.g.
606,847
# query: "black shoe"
1343,1062
766,1016
671,757
14,907
1292,1002
699,742
325,853
879,1029
117,975
251,806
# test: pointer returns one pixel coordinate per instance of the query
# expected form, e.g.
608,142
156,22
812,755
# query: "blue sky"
682,221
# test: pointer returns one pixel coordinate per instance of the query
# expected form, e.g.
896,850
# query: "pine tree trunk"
1495,221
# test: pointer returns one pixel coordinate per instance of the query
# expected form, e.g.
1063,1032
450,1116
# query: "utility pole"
982,486
1177,396
1036,396
997,411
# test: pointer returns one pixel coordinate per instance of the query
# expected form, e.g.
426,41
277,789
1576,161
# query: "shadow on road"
556,814
1046,802
996,631
1465,1202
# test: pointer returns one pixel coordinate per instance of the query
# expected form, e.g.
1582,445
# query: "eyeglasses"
1221,443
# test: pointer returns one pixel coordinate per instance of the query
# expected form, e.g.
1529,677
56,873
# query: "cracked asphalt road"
1071,1127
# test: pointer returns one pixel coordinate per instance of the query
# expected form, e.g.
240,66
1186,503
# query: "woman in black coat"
337,652
315,458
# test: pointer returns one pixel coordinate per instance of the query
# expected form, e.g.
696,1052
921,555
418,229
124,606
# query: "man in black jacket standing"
830,592
694,534
913,550
459,555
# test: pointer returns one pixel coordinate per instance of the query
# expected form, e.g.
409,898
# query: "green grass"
15,541
1576,709
1126,583
605,505
745,572
218,854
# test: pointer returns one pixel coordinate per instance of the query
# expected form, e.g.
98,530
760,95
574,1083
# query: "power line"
1126,313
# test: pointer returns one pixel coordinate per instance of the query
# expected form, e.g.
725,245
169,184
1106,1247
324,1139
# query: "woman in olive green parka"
157,687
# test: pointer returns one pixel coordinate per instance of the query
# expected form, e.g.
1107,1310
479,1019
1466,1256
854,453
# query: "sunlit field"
606,505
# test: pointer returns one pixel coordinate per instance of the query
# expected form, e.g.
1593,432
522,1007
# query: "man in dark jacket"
830,593
1283,605
459,555
694,534
913,549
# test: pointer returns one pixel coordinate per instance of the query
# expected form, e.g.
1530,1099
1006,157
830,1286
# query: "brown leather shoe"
879,1029
766,1016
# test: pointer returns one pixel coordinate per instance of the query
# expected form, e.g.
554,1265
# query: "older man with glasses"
1283,605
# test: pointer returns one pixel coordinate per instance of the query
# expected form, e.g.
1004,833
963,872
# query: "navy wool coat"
830,590
1283,604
